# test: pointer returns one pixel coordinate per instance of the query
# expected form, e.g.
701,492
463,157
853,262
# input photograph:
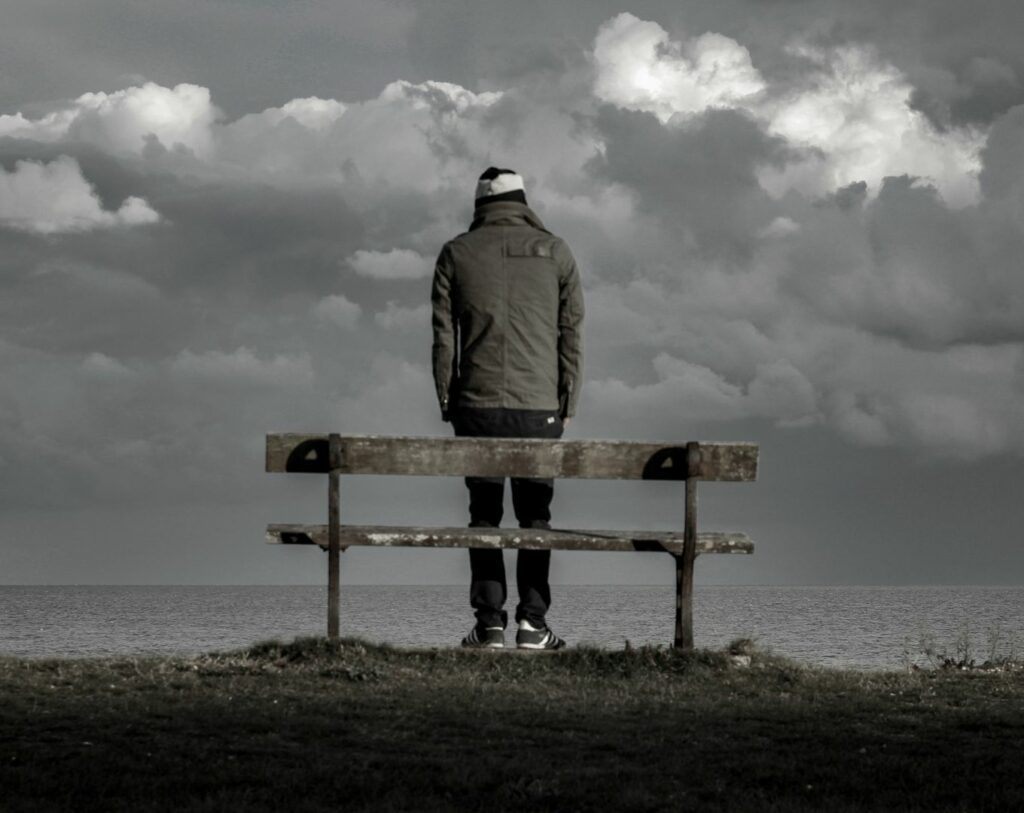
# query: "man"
507,319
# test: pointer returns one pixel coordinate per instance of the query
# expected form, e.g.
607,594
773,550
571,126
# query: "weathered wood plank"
511,457
556,539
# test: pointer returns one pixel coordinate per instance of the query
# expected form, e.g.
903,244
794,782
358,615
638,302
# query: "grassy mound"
315,725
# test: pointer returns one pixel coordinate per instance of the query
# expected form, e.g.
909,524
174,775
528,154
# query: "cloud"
959,401
104,367
339,311
242,366
54,198
779,227
1002,177
853,111
397,264
638,67
777,391
312,113
702,178
735,261
123,121
396,317
849,116
393,396
412,136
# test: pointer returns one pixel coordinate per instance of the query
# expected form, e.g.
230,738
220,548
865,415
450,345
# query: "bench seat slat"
555,539
510,457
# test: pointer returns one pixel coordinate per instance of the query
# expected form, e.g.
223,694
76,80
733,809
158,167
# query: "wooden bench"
335,455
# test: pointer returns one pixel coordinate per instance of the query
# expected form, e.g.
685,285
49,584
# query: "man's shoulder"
511,240
560,250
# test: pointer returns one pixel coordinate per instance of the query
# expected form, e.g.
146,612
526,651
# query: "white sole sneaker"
485,638
530,637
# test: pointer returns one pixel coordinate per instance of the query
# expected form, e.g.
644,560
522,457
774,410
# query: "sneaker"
485,638
531,637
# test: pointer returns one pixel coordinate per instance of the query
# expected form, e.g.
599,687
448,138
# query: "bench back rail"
511,457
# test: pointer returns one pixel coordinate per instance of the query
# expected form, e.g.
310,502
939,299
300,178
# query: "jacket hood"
505,213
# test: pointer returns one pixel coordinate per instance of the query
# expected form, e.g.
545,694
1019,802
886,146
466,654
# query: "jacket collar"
505,213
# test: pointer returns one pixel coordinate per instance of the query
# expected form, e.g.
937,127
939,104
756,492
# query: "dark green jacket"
507,315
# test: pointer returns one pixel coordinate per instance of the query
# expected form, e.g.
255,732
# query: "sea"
868,628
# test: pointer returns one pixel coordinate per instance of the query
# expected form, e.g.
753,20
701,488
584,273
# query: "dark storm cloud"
700,178
1002,175
226,253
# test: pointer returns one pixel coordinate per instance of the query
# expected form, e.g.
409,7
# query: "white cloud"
850,114
54,198
780,227
445,98
339,311
638,67
396,317
410,137
399,263
855,109
122,121
777,391
414,137
243,366
51,127
312,113
103,367
289,142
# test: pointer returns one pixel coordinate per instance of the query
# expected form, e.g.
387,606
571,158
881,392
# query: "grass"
351,726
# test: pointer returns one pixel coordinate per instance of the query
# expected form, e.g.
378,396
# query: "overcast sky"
799,222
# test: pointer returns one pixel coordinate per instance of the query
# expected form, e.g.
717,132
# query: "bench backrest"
513,457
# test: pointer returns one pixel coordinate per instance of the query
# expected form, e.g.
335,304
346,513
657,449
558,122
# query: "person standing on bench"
507,356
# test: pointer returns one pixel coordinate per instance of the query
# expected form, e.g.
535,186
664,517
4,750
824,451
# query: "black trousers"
531,501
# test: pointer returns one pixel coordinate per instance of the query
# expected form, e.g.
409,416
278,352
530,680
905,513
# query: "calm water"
864,627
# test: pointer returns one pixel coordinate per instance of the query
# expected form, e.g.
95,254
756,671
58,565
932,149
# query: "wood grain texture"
556,539
511,457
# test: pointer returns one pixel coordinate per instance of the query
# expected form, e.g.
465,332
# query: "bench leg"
684,604
684,562
334,539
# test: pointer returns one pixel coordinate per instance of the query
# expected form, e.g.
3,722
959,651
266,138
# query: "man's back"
509,291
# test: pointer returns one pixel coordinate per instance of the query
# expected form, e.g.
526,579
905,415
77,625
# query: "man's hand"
565,423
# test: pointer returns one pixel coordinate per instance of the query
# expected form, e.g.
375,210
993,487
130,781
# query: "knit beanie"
499,184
